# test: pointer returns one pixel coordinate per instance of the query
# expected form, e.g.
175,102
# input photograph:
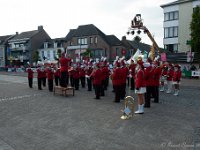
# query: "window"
54,53
82,41
91,40
42,54
48,54
96,40
117,51
79,41
172,48
55,45
176,15
166,16
171,16
170,32
175,48
45,45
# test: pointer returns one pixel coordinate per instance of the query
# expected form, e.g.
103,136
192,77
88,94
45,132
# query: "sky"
112,17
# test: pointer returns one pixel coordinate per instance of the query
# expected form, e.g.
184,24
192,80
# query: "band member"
156,81
89,80
30,76
44,75
132,74
170,73
124,74
82,76
163,77
140,86
39,77
149,77
106,74
57,75
176,79
50,76
76,77
96,80
71,75
64,63
116,77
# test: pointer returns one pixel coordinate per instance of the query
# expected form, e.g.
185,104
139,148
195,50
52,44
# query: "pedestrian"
96,80
82,75
116,77
30,76
132,75
56,75
64,64
140,86
156,80
176,79
170,73
163,78
88,76
50,76
39,77
149,78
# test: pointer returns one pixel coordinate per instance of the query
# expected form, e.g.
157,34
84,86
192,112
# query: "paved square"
37,120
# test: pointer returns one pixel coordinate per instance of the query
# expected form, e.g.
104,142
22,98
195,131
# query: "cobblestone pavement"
38,120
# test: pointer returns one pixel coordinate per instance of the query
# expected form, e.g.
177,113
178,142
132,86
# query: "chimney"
40,28
17,33
123,38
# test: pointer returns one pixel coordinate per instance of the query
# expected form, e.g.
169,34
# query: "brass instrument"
128,111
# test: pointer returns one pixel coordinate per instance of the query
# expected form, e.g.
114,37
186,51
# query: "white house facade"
177,19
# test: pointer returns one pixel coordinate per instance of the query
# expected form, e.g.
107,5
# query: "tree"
195,30
35,56
137,39
59,51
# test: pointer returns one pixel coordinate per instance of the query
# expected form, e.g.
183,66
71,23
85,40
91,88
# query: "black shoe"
146,106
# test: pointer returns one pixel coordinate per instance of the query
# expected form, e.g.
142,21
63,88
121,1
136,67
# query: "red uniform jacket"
30,73
156,76
124,73
57,73
149,76
64,64
76,74
105,73
82,72
132,69
44,73
96,77
89,71
116,77
140,79
50,74
39,73
170,74
177,76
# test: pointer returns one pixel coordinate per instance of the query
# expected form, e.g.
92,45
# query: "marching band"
146,78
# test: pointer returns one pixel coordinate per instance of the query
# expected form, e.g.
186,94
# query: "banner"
195,73
190,56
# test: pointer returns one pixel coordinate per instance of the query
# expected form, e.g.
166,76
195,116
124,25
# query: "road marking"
17,97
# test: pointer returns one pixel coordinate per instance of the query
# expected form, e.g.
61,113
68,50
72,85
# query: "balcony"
20,49
77,47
